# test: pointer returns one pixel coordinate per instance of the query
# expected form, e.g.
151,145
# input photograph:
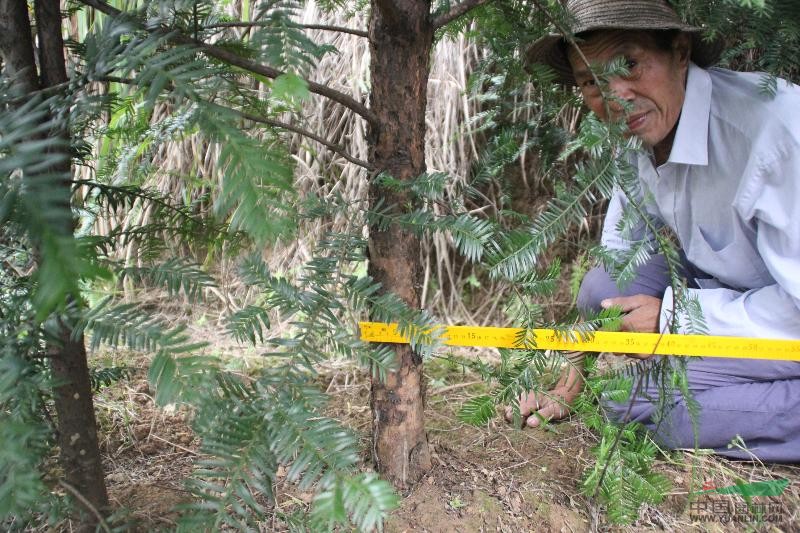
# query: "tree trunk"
76,424
16,45
401,38
77,427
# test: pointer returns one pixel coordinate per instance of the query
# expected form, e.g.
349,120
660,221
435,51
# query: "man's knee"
596,286
652,279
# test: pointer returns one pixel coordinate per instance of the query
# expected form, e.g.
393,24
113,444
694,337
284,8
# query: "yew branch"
456,11
243,63
333,147
340,29
259,24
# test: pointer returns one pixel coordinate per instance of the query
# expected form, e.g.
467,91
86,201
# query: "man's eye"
630,64
588,83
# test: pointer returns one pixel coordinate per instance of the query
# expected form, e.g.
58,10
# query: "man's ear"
682,48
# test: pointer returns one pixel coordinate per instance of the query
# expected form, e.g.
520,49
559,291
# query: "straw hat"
588,15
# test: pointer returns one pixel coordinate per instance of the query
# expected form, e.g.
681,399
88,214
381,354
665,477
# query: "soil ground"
492,478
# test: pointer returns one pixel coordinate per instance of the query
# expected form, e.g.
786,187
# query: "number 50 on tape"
600,341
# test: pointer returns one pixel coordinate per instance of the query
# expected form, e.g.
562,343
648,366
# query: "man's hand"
641,314
552,405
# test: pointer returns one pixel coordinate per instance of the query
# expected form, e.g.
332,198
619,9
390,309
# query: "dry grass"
492,478
450,148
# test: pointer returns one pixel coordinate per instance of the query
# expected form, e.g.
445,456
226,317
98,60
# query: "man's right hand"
552,405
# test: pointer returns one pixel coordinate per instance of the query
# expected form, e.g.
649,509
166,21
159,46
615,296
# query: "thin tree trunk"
76,424
16,45
401,38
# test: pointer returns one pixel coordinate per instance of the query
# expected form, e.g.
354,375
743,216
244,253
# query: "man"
721,168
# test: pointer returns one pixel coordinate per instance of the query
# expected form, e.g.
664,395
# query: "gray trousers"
757,401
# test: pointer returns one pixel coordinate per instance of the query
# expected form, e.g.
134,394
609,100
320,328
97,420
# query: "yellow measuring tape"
600,341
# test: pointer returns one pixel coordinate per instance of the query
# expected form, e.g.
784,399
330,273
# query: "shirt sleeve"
620,227
770,200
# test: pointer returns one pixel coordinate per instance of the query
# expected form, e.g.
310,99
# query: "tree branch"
54,89
270,72
101,522
116,79
257,24
245,64
456,11
305,133
341,29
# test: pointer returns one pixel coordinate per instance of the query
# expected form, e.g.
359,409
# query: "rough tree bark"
401,37
76,424
16,45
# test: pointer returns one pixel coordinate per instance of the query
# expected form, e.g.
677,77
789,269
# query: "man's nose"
621,89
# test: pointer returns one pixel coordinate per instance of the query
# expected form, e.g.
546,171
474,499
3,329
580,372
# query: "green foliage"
280,41
258,180
593,180
26,437
172,275
106,376
471,235
170,223
365,498
24,389
579,270
761,35
477,411
519,371
249,429
290,88
249,324
622,474
541,283
133,327
37,209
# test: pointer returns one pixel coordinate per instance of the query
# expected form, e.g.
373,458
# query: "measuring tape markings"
600,341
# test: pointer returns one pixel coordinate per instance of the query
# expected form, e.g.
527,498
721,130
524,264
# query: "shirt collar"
690,146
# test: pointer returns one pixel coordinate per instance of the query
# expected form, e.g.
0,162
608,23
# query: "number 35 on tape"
600,341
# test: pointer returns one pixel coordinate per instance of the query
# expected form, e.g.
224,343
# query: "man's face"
654,88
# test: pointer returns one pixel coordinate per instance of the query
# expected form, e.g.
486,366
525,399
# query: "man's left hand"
641,313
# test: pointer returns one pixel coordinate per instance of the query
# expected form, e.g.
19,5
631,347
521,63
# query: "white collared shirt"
730,191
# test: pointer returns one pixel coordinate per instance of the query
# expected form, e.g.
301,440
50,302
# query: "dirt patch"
149,507
492,478
495,478
484,486
147,452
